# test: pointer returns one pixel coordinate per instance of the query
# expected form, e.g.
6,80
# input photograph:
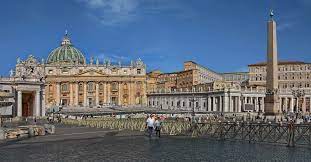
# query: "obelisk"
272,97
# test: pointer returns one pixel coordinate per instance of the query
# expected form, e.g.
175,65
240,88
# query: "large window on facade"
90,86
139,85
101,86
80,86
114,86
64,87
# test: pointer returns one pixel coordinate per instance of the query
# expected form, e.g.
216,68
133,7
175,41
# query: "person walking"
150,125
158,127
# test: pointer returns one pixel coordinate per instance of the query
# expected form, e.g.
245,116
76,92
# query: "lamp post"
242,102
193,100
298,93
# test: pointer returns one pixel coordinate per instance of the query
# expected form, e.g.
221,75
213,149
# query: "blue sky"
224,35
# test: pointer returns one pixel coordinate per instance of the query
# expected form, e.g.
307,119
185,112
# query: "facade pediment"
91,72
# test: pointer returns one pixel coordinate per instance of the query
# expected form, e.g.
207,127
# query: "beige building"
152,80
192,75
291,74
204,75
166,82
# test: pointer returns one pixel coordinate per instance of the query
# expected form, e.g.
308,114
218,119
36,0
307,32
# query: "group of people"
153,123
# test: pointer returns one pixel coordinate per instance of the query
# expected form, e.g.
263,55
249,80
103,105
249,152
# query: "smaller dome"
66,53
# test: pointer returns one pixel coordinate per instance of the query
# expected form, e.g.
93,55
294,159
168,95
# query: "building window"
81,87
138,71
114,70
101,86
114,86
64,87
50,71
90,86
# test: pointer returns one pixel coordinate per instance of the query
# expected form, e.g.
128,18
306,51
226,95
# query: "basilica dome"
66,54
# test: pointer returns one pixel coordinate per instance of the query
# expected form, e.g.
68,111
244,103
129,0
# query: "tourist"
150,125
158,127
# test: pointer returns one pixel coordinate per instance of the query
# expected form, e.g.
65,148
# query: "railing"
283,134
287,134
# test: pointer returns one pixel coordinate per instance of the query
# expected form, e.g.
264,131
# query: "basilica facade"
66,79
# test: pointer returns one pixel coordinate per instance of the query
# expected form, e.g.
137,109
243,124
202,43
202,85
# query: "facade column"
71,94
292,104
304,108
214,103
220,108
105,92
85,94
130,94
19,103
209,104
58,94
37,99
76,94
119,93
297,105
226,103
96,94
286,104
236,109
42,102
232,103
239,104
256,103
108,93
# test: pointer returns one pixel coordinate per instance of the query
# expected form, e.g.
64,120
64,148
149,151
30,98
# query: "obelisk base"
272,105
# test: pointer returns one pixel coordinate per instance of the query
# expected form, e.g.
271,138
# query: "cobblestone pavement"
91,144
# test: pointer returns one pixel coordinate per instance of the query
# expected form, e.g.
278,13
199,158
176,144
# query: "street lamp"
193,100
242,102
298,93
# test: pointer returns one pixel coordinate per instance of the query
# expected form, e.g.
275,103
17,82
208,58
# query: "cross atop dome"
66,40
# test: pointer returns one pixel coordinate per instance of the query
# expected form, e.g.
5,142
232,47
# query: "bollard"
31,132
2,134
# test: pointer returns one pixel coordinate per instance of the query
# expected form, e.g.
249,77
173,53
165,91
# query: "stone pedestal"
272,105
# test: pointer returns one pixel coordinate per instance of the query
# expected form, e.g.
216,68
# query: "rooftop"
281,63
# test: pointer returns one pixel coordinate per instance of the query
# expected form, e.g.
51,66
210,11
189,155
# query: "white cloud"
113,57
113,12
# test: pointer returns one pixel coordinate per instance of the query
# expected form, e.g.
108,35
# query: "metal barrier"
286,134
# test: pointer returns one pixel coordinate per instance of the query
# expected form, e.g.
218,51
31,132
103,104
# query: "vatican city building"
66,79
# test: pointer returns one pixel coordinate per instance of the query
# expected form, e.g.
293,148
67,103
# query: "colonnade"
226,102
